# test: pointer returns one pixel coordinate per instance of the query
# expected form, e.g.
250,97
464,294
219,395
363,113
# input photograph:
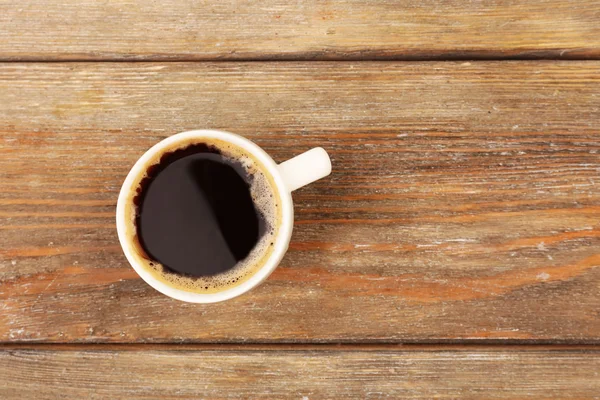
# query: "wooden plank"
117,373
312,29
464,201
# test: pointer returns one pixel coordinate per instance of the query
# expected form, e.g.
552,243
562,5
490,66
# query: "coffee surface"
196,214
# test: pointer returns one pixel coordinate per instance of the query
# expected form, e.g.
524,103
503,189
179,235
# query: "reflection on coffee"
205,216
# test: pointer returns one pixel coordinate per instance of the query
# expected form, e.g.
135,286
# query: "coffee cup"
206,215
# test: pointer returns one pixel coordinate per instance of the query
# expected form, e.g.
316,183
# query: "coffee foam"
266,199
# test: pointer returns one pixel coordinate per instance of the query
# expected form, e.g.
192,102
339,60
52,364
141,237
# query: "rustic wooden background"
453,252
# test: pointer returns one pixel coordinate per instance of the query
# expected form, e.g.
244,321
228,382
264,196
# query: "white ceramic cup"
287,176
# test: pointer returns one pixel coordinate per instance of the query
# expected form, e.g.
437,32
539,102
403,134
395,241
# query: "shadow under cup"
270,202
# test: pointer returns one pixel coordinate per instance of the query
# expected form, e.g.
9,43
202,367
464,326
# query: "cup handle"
305,168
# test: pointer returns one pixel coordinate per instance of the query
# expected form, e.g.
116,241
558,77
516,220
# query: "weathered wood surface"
490,373
464,201
312,29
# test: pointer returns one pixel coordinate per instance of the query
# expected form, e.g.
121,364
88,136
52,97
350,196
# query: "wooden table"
453,252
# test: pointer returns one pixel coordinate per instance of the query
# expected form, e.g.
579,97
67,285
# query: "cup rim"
281,242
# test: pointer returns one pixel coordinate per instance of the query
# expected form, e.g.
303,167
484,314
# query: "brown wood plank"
464,201
491,373
313,29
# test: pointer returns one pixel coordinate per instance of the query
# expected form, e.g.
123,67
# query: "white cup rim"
282,239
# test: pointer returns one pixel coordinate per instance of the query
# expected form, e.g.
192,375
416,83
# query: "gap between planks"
347,347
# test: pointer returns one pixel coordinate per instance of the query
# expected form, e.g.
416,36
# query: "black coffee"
196,215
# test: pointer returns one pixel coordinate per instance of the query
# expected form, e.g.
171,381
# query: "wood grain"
295,30
464,202
491,373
